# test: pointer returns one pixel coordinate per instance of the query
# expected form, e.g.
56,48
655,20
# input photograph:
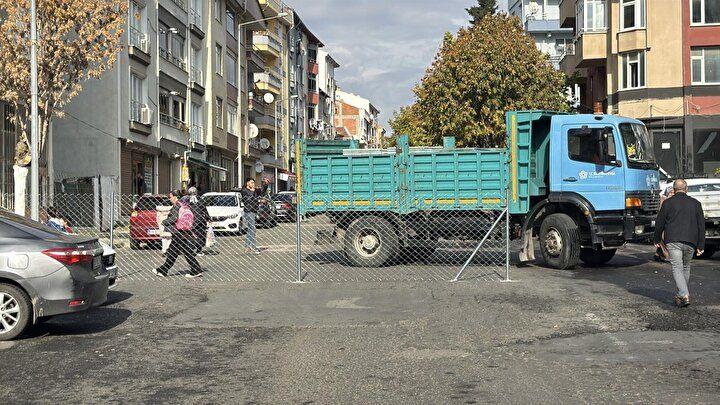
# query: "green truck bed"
338,176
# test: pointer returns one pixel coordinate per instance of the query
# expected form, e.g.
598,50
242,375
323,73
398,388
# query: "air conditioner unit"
146,115
144,44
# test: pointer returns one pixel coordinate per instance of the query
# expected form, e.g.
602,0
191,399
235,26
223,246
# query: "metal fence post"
112,219
507,235
298,245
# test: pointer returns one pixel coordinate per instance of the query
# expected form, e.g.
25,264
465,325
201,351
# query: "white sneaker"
189,275
157,273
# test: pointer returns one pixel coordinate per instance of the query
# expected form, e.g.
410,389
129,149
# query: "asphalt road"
607,334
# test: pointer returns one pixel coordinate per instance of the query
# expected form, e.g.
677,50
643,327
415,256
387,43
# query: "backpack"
185,218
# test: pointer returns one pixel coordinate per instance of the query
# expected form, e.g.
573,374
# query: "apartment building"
357,118
541,19
304,80
658,61
323,126
267,153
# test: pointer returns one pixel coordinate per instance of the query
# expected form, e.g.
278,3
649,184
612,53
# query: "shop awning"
207,164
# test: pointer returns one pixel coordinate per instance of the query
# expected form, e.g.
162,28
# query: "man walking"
251,201
180,224
681,226
201,217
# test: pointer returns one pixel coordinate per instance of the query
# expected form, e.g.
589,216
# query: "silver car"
44,272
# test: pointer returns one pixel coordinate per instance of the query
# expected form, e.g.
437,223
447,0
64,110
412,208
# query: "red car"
143,220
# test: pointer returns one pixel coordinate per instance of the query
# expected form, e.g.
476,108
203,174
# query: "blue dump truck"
584,185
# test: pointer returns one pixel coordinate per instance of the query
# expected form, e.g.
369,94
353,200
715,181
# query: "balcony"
567,13
256,64
140,118
195,21
268,81
266,123
172,122
589,49
179,3
313,68
267,44
271,8
196,81
197,134
165,54
313,98
139,47
256,105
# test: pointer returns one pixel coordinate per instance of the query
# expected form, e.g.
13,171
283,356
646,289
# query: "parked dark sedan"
44,272
285,205
267,214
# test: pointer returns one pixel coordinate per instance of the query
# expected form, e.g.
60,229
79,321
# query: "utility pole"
34,121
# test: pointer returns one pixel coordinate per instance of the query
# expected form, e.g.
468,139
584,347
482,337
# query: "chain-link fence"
332,247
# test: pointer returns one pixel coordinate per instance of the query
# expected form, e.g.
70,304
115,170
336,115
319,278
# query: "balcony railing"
269,78
267,38
168,56
197,134
195,18
564,49
138,39
196,75
136,111
171,121
180,3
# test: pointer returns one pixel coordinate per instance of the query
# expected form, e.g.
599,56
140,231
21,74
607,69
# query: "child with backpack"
180,223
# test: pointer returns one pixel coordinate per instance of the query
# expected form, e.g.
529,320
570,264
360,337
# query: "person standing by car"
681,226
201,217
179,223
251,200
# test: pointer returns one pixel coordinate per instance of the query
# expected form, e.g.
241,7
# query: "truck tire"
708,253
371,242
560,241
15,311
595,257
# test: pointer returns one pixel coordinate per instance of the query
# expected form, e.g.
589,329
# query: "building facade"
657,61
324,122
541,19
357,118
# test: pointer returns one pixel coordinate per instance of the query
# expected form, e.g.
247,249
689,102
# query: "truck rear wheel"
560,241
371,242
596,257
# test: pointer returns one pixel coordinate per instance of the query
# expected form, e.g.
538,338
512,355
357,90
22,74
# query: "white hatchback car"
225,210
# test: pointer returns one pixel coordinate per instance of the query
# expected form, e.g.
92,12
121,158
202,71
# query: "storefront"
137,171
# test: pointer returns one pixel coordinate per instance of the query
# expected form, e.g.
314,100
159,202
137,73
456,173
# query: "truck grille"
650,199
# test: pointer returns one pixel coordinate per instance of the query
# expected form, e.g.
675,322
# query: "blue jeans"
250,218
680,257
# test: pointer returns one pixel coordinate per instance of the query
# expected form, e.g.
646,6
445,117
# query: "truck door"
590,166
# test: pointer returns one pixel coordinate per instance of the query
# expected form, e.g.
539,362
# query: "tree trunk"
20,174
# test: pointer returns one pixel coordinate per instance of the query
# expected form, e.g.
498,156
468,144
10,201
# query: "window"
137,97
706,145
632,14
230,22
638,146
172,108
137,17
590,16
704,12
196,65
231,119
218,112
632,70
231,68
196,114
218,59
218,10
163,38
584,145
705,65
178,48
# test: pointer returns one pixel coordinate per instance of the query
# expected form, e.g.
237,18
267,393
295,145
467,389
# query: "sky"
383,47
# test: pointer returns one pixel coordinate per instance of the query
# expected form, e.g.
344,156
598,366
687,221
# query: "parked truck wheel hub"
553,242
9,313
367,243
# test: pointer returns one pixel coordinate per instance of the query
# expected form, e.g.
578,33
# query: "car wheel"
560,241
15,311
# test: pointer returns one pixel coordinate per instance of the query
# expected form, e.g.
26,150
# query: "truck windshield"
638,145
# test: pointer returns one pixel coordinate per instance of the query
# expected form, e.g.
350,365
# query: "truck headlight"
633,202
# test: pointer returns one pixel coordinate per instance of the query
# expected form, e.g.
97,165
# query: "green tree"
478,75
484,8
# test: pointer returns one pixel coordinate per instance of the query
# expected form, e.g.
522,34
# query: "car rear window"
151,203
220,201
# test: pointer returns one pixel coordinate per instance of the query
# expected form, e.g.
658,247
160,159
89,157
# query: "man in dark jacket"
681,226
200,223
251,201
183,242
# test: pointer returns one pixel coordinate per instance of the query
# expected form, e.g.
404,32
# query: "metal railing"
267,38
195,18
180,3
138,39
197,134
269,78
171,121
196,75
168,56
136,111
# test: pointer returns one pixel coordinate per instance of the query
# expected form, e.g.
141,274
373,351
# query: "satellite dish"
259,167
254,131
264,143
268,98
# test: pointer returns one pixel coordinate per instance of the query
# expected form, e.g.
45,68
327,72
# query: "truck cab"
601,188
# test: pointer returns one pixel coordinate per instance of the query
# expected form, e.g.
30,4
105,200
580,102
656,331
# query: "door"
589,169
668,151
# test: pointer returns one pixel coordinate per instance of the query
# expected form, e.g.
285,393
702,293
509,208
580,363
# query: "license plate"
97,262
153,232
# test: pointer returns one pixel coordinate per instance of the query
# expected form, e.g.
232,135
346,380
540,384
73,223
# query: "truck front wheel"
560,241
595,257
371,242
